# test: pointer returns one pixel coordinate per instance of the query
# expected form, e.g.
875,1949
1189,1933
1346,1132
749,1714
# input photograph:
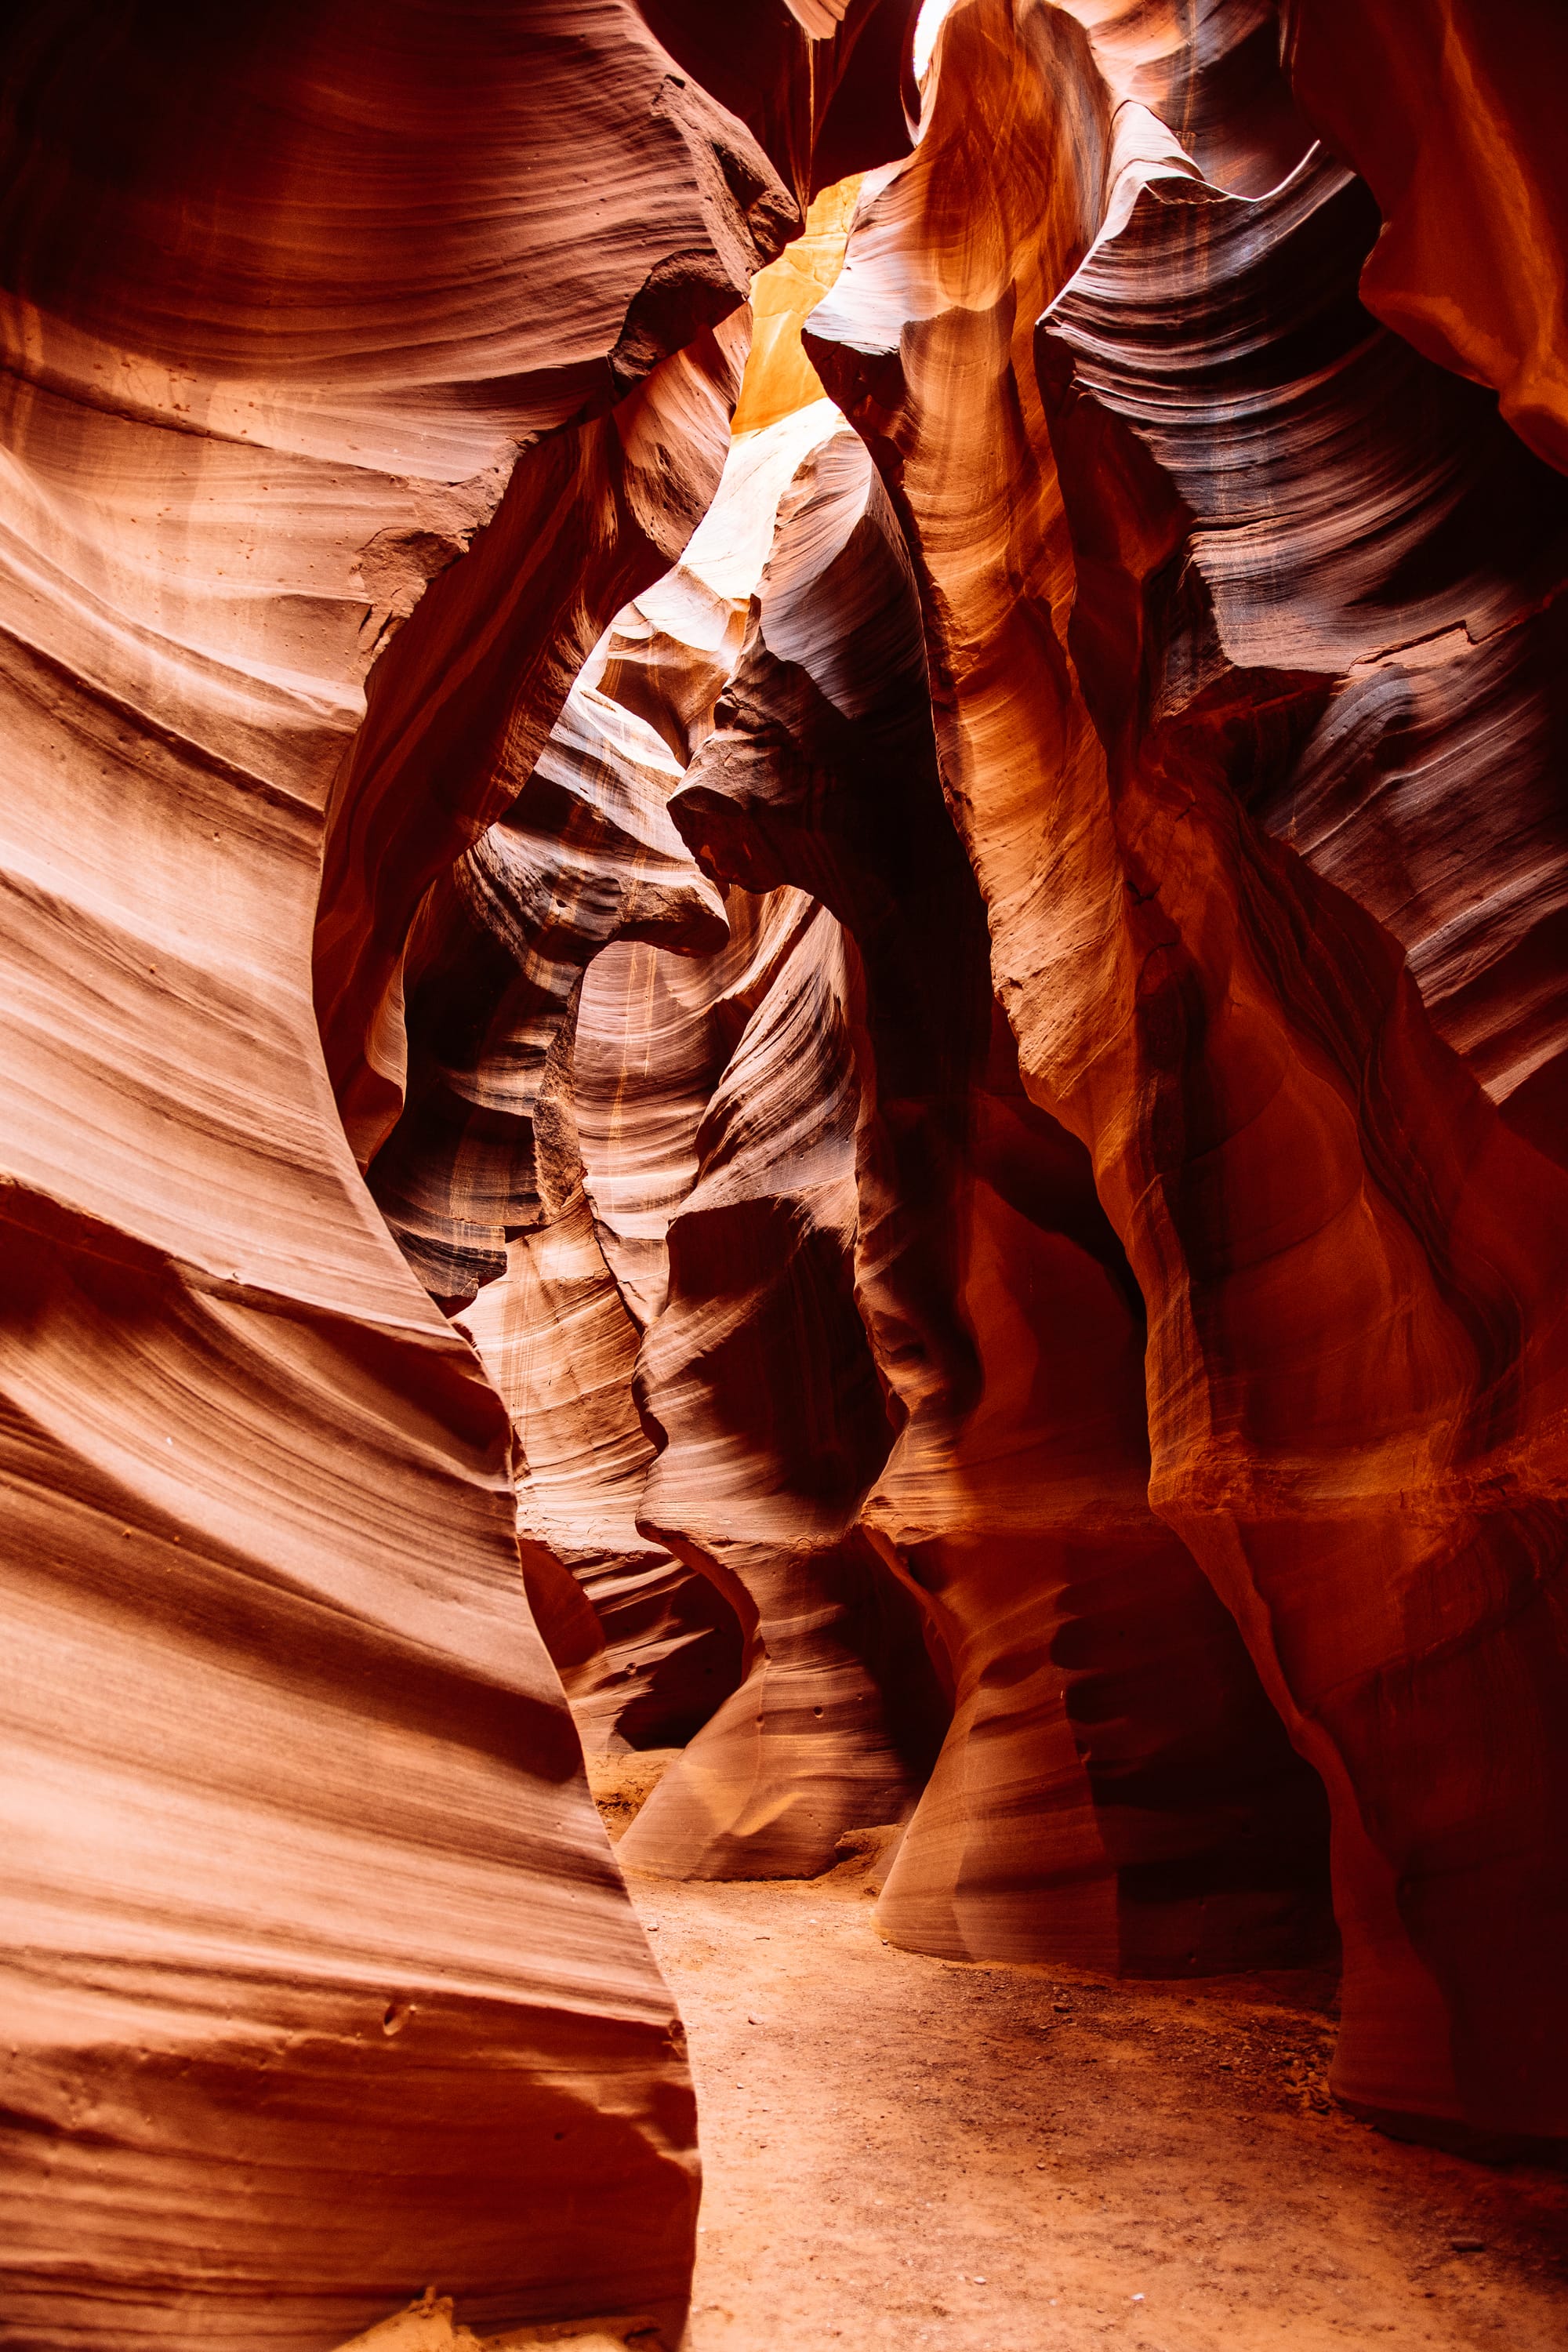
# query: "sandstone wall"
359,364
879,1078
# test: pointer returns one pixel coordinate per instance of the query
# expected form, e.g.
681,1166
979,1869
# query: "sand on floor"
905,2151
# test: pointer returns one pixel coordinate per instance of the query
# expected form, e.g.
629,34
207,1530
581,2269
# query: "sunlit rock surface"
359,364
1195,571
859,1054
1115,1789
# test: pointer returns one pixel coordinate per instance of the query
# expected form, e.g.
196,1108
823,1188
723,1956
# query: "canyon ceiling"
870,949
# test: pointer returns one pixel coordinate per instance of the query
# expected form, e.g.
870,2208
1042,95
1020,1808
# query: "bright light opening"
928,24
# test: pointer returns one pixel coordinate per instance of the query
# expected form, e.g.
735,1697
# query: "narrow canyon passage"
783,1175
904,2152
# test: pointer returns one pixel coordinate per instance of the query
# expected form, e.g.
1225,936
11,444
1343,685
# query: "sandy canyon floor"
900,2151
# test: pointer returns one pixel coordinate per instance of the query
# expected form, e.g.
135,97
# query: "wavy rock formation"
340,345
1450,112
648,1647
1142,650
779,378
833,1724
963,992
761,1380
742,1277
495,1113
1115,1789
825,86
584,855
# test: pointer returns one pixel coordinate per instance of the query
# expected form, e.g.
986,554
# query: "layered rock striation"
1194,577
358,365
877,1080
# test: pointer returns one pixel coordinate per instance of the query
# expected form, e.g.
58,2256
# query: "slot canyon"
783,1379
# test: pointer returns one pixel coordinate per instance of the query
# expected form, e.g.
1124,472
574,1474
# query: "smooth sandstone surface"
1352,1265
358,365
819,1046
1448,110
1114,1788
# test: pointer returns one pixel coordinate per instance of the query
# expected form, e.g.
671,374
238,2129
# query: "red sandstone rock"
1352,1271
825,85
659,1647
1451,113
339,340
586,854
466,695
1115,1790
647,1647
1182,1361
759,1377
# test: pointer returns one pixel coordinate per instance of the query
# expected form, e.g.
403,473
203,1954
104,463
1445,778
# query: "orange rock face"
1113,1778
1448,111
342,344
879,1088
1218,617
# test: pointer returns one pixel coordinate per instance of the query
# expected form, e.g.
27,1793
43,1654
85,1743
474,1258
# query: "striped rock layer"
358,365
854,1065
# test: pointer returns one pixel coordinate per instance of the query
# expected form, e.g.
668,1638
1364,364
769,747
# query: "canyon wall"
1167,662
359,364
1241,617
858,1053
